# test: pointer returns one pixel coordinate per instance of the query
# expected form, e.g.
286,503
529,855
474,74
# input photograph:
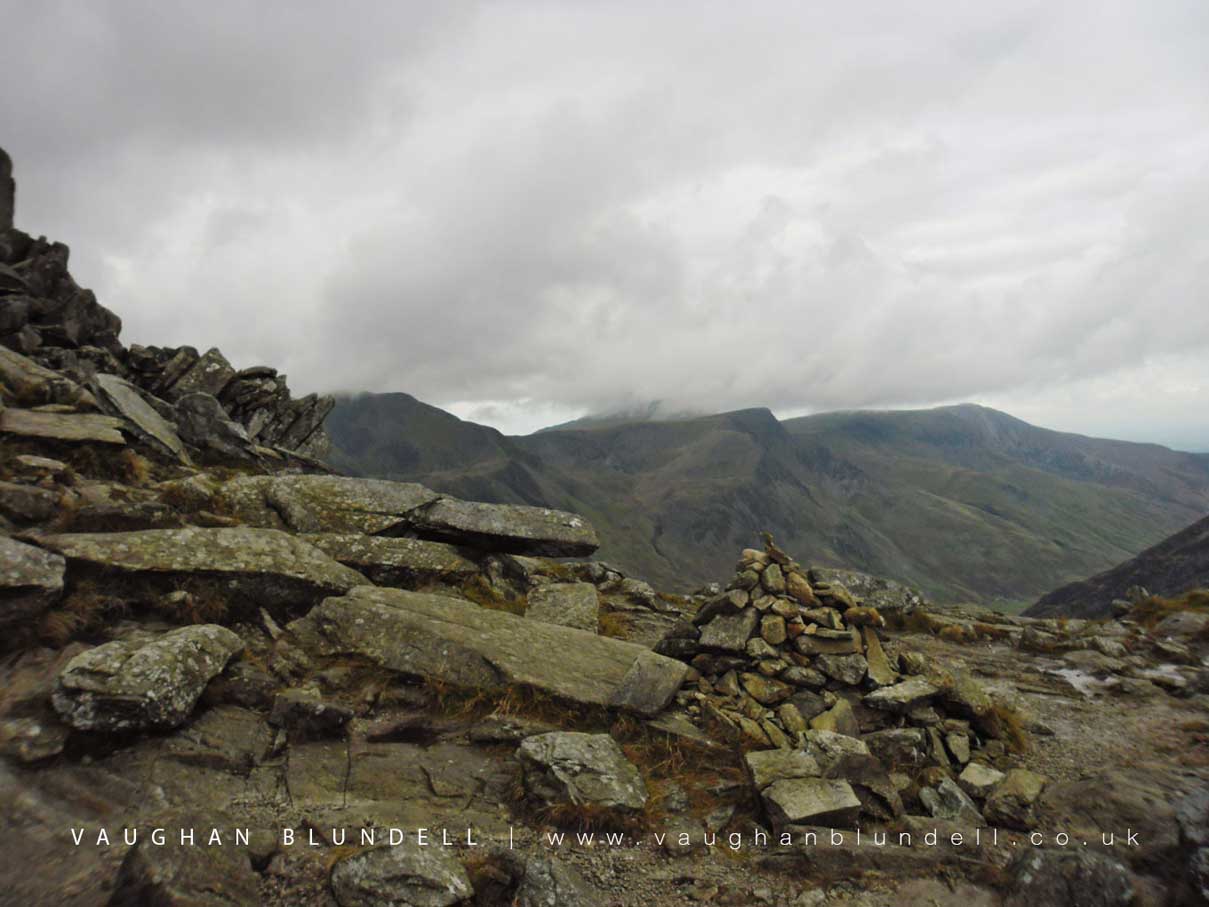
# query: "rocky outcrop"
133,685
458,642
308,503
45,315
264,566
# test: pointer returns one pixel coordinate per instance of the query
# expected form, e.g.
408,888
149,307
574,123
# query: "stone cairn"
838,726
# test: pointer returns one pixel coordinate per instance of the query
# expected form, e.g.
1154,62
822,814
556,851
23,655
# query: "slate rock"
69,428
444,638
176,875
125,400
567,604
124,685
848,669
902,697
399,562
31,580
948,801
811,801
1012,803
314,503
730,631
512,528
581,769
403,875
264,565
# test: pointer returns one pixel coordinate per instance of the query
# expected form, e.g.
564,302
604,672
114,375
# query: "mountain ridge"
968,503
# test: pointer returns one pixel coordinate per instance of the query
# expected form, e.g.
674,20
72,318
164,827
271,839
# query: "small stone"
799,588
902,697
772,628
811,801
1012,803
766,690
849,669
948,801
978,780
772,579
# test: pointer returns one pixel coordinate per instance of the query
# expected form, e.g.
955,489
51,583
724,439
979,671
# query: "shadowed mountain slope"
965,502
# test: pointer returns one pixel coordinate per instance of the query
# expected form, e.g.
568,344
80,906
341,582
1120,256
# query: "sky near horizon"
527,211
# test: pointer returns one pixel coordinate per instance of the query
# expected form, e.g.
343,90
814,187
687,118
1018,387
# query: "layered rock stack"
46,316
795,664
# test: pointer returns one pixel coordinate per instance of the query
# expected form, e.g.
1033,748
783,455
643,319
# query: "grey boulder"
129,685
402,875
570,767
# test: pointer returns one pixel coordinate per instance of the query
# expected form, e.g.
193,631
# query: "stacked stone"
257,398
796,664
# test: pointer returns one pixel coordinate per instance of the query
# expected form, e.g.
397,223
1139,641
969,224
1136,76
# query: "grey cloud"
559,208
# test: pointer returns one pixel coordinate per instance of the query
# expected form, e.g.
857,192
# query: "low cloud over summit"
527,211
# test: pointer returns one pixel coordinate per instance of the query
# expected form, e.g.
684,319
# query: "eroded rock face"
264,565
439,637
31,580
569,767
134,685
403,875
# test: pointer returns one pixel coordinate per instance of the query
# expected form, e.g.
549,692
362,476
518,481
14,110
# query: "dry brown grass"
478,590
136,468
616,625
1010,728
83,611
954,633
1153,610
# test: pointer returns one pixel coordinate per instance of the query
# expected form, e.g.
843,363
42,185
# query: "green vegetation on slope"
967,503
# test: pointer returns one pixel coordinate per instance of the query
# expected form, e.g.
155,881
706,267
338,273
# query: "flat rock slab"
567,604
343,504
31,580
66,427
336,504
396,561
513,528
265,565
123,399
128,684
449,639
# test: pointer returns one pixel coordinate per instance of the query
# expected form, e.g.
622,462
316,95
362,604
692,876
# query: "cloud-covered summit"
526,211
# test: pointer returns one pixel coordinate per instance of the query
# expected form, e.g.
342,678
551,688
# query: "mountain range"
964,502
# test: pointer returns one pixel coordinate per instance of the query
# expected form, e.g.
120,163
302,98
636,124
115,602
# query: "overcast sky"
528,211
